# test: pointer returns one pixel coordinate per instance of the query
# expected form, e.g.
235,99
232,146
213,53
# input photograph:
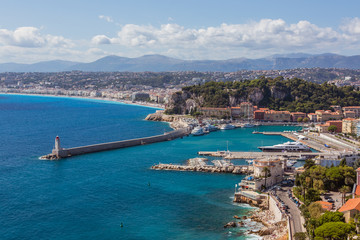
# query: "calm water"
89,196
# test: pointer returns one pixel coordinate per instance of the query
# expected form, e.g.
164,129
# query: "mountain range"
160,63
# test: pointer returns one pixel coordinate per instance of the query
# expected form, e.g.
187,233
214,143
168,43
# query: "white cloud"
106,18
351,26
266,35
101,39
30,37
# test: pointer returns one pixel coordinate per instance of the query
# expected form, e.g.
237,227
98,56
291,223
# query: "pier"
59,152
199,165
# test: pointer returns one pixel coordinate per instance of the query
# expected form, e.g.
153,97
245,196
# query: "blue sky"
77,30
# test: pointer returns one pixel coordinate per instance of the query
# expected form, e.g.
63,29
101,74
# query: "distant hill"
46,66
159,63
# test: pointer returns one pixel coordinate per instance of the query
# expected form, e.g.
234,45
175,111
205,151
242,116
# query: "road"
296,220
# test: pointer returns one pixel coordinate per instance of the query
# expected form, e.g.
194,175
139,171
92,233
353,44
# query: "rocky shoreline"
176,121
272,230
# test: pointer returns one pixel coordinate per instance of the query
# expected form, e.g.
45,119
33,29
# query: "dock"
314,141
59,152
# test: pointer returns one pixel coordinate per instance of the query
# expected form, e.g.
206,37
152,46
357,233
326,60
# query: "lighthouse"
57,143
57,151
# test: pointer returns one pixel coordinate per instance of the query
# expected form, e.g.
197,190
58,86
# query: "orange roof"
351,204
349,119
357,190
351,107
325,205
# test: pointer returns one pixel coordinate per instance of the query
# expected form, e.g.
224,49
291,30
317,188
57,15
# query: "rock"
266,231
241,224
237,217
244,217
230,224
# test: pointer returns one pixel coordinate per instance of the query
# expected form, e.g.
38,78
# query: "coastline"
111,100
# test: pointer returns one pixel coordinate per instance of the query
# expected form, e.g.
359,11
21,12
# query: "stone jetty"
206,168
59,152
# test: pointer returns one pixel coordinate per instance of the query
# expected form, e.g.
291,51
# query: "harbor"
325,146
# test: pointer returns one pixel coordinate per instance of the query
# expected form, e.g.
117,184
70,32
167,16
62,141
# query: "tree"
300,236
344,189
333,231
312,195
300,119
315,210
267,174
309,163
342,162
332,128
305,119
331,217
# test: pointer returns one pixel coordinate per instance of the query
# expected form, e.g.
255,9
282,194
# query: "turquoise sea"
90,196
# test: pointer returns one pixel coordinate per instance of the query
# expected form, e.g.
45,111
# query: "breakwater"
59,152
207,168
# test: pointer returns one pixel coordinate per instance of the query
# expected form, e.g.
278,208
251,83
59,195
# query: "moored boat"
286,147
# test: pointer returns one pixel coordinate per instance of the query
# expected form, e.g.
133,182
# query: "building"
277,116
259,115
245,110
139,96
326,115
323,128
325,205
349,114
256,181
337,123
312,117
349,125
216,112
350,208
296,115
355,109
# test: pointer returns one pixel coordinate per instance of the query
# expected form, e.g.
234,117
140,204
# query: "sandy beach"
142,104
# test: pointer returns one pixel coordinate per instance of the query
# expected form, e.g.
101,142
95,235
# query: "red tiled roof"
325,205
351,107
351,204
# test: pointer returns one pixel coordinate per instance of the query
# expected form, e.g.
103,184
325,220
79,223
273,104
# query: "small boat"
248,125
198,131
227,127
250,161
210,128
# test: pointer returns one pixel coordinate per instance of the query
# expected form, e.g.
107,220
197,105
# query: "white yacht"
227,127
248,125
198,131
286,147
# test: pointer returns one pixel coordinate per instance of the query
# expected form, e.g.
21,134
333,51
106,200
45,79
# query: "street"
296,220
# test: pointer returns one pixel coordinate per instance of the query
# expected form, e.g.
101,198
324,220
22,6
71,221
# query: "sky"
84,31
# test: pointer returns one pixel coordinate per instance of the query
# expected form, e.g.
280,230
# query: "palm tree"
267,174
344,189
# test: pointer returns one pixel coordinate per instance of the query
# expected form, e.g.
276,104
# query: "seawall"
69,152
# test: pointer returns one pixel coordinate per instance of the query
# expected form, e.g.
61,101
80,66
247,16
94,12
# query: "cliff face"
184,102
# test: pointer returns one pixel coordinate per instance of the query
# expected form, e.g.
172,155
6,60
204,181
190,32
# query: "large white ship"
286,147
